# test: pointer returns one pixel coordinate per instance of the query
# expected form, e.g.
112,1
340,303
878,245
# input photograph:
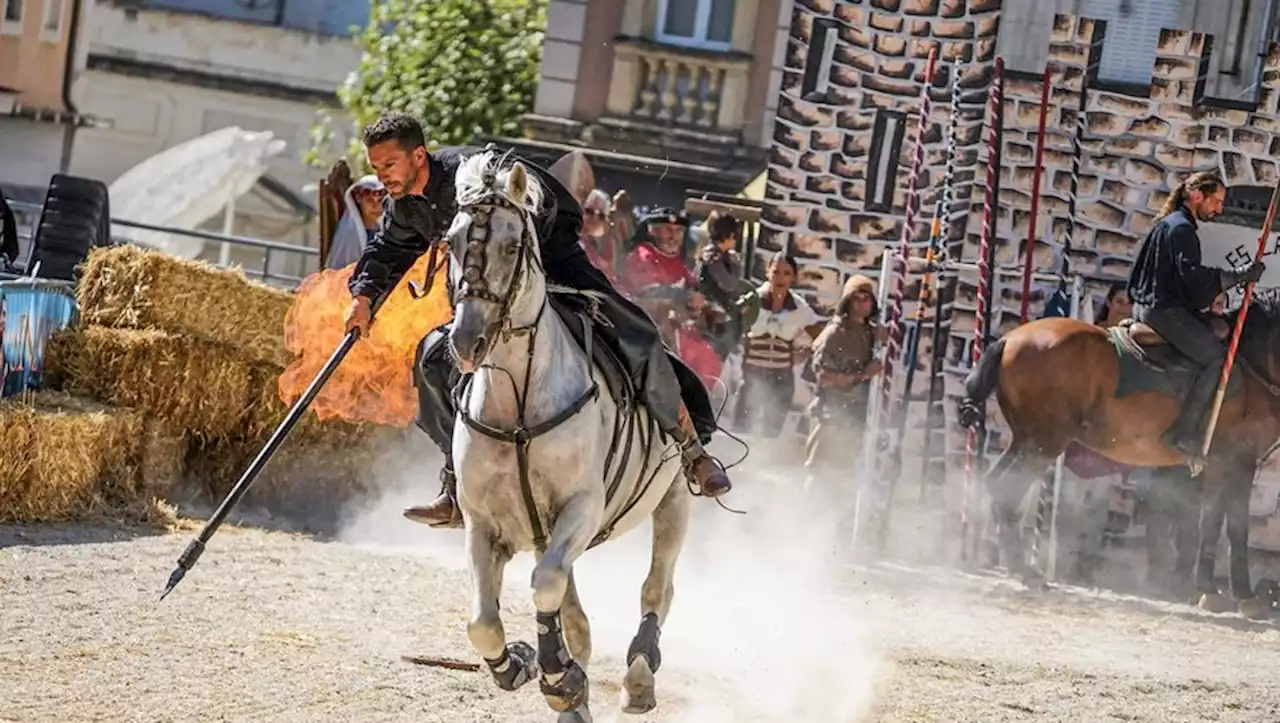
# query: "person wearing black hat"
419,208
654,273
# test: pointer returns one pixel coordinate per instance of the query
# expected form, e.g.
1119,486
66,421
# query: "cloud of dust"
760,628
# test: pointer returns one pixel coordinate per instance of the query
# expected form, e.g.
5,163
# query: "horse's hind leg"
1007,489
564,681
511,665
670,522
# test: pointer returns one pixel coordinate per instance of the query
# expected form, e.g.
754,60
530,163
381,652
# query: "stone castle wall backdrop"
838,201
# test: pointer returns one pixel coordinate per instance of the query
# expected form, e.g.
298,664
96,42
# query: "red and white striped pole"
894,346
995,101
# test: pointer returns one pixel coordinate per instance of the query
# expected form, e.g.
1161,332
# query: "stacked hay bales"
68,456
195,351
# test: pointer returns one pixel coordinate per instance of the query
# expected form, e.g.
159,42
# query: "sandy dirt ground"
767,627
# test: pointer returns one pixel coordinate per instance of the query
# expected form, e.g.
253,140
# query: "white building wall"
148,115
30,152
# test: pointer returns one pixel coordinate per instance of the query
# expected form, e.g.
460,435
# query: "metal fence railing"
28,216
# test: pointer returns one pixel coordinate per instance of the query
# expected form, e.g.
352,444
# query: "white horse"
547,460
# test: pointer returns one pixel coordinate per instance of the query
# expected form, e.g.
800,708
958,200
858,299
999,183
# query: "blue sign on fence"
29,315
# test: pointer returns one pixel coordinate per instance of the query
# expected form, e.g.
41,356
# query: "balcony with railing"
681,88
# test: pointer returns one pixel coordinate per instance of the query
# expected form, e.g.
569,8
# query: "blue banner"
28,317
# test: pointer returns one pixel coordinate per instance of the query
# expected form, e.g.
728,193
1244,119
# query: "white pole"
871,435
1077,292
228,228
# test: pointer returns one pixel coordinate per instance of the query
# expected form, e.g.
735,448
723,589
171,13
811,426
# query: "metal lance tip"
186,561
175,577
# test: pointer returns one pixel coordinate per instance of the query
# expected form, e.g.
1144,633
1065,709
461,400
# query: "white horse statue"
547,460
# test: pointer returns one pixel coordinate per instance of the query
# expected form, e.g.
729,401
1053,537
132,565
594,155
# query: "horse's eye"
510,249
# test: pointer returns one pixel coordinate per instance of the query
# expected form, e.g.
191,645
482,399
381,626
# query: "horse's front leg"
670,522
564,681
511,665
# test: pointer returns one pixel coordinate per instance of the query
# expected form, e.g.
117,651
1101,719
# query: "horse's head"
496,267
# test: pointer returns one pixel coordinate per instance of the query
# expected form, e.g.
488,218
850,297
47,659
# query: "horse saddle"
576,314
1148,362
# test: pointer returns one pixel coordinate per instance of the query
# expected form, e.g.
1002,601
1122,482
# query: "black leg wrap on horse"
434,377
553,656
570,691
971,413
646,643
516,666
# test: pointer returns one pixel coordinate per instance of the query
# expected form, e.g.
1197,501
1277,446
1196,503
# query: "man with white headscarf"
363,208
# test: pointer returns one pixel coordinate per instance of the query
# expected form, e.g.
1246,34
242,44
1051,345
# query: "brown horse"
1059,380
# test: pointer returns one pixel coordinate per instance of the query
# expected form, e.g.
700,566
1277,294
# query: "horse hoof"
1255,608
579,715
520,667
638,688
570,692
1215,603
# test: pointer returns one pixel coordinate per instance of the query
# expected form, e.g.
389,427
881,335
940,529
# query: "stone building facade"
845,132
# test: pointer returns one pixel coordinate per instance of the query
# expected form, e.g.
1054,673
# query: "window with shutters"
882,167
706,24
817,64
51,21
11,20
1133,31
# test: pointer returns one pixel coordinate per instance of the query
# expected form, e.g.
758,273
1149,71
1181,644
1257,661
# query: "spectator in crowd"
1116,307
596,240
656,277
363,201
719,273
842,364
655,268
775,318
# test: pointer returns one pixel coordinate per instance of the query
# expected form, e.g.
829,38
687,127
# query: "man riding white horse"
418,212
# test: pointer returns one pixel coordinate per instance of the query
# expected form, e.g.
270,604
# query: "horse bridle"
475,260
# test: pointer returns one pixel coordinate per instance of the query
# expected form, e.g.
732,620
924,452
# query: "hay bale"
75,458
130,287
191,385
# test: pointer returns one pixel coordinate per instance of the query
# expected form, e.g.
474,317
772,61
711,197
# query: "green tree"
463,67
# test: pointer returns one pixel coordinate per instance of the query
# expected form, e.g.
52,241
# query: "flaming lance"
195,548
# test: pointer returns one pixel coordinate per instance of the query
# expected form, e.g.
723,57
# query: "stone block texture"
826,197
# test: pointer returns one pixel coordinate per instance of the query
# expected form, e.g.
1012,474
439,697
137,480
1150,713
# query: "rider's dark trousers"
663,380
1190,334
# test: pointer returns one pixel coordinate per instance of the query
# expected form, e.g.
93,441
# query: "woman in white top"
359,222
775,318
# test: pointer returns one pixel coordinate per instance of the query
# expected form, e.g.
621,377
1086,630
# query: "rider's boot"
701,468
442,512
1187,432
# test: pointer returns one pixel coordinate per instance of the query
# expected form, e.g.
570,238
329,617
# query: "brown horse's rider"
1172,291
417,213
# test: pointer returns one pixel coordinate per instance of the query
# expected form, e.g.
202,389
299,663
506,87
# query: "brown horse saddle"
1148,362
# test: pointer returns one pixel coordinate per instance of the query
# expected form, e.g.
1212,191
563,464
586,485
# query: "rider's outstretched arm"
391,253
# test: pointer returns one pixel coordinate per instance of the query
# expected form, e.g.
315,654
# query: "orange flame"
373,383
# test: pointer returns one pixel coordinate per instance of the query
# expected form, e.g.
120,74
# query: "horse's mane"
1259,328
471,186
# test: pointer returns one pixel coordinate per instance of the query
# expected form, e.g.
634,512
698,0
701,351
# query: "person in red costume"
655,275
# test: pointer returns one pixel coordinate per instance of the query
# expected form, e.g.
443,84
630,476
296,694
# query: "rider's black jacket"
1168,271
410,224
